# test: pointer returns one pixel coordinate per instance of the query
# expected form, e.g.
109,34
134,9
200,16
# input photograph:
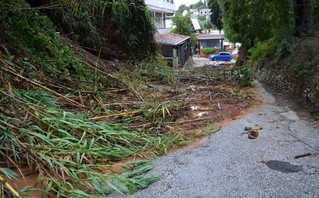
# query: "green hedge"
208,50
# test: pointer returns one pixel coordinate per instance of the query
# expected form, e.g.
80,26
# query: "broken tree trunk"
302,13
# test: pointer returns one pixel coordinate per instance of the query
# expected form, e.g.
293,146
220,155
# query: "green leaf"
79,192
9,173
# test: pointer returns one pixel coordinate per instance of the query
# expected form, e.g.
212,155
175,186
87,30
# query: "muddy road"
281,162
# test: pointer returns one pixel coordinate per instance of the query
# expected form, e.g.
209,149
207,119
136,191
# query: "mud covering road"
228,164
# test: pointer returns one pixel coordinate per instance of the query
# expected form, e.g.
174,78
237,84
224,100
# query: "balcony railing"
163,4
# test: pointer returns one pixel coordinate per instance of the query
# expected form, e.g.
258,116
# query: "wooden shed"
175,47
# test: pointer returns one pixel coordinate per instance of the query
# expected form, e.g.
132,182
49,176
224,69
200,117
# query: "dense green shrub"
34,37
261,50
278,45
243,76
116,28
208,50
315,13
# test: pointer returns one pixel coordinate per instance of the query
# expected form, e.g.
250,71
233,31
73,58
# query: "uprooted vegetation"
77,119
81,135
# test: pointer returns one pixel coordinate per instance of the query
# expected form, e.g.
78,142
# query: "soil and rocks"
294,74
282,161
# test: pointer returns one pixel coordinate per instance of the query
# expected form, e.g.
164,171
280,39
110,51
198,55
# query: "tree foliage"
216,16
104,25
259,22
199,5
182,7
262,19
182,24
205,23
315,13
302,13
266,27
35,38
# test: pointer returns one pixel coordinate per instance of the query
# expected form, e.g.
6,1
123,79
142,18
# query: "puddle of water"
284,167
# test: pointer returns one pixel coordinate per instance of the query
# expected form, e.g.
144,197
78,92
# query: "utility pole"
208,21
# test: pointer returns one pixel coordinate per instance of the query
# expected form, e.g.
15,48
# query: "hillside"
296,74
85,101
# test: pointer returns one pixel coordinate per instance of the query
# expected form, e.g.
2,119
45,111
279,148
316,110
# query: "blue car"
224,56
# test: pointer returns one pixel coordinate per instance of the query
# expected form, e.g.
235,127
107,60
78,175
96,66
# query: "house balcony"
161,6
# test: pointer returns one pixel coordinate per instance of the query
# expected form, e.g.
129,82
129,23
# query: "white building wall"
159,9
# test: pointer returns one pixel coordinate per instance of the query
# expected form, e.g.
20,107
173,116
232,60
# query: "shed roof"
210,36
171,38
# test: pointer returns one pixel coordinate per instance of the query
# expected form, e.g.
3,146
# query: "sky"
186,2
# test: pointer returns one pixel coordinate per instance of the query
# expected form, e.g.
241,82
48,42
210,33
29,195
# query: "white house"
159,10
205,12
194,13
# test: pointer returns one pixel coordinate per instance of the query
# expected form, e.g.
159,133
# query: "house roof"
210,36
193,10
205,9
171,38
196,24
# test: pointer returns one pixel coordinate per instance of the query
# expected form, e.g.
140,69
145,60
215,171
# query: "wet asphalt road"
228,164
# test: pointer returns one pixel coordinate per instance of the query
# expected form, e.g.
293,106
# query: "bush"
34,37
208,50
243,76
261,50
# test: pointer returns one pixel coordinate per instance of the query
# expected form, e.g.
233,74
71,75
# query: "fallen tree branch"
116,79
303,155
9,187
114,115
188,121
40,85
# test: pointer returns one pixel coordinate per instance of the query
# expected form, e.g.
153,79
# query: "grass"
69,151
160,111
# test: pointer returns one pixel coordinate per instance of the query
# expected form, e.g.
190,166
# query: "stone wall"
297,73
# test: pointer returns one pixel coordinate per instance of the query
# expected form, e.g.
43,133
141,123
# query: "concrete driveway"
228,164
202,61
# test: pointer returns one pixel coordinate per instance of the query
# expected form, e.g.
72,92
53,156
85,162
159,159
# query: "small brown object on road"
253,134
271,121
256,127
244,133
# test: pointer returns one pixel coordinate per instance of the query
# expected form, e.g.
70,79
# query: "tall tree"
302,13
216,16
315,13
182,24
199,5
257,23
181,8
